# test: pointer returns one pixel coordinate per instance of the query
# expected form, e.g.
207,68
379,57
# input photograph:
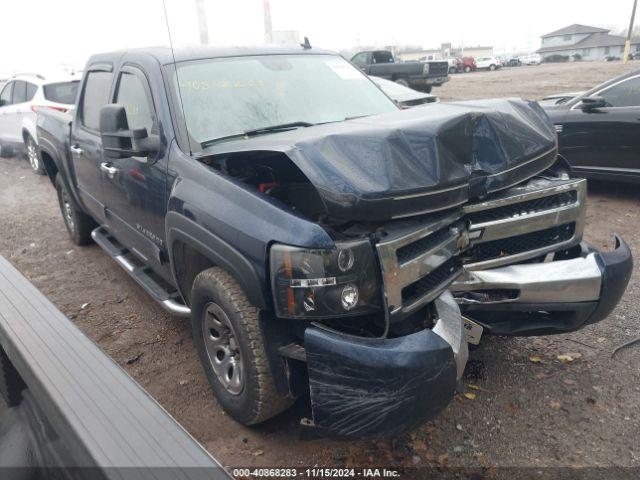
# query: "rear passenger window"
31,91
95,95
132,95
19,92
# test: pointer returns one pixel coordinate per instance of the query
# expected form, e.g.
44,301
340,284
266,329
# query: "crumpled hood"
415,161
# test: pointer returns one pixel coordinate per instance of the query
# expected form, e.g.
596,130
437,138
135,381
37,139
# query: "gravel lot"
525,413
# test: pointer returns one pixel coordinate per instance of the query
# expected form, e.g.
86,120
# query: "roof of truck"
182,54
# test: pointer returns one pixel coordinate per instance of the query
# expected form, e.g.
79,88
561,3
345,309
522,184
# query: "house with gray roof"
590,43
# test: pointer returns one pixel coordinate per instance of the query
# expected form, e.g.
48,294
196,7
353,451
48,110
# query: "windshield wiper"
277,128
257,131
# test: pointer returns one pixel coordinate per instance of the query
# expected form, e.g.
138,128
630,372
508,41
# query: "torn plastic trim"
373,387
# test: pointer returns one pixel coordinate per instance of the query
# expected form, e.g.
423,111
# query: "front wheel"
453,70
79,224
402,81
232,349
492,67
467,69
33,157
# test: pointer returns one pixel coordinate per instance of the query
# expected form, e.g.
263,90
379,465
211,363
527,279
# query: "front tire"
232,350
32,155
402,81
79,224
467,69
453,70
492,67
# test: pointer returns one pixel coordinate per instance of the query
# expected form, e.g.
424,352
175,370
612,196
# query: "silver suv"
20,99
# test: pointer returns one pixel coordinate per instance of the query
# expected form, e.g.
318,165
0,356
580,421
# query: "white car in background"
533,59
20,99
488,63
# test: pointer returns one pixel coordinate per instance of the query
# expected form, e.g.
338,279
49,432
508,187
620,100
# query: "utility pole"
202,22
627,44
268,29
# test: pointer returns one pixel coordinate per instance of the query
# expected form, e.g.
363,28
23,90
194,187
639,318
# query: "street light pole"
627,44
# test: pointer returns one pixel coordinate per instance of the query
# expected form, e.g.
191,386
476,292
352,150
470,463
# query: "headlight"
426,68
317,283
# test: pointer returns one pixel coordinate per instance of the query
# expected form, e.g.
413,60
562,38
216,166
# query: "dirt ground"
530,409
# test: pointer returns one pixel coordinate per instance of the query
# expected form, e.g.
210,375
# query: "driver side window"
132,95
360,60
624,94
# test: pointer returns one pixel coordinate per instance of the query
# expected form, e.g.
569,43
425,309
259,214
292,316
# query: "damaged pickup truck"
323,241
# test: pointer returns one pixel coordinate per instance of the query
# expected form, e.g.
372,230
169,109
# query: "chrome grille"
520,223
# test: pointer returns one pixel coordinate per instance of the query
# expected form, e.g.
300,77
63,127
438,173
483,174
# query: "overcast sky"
40,34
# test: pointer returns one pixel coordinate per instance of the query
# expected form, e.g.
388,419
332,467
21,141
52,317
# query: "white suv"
20,99
488,63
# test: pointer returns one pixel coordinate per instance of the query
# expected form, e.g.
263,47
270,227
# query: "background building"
446,50
584,42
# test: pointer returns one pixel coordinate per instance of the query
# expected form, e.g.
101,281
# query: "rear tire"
232,350
34,158
467,69
79,224
11,384
492,67
453,70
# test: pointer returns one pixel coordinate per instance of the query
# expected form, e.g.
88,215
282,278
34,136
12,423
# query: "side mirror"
118,140
592,103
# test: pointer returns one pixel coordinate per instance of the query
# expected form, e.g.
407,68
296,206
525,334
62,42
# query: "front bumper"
544,298
374,387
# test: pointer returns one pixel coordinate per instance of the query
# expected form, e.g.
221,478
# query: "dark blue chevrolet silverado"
323,241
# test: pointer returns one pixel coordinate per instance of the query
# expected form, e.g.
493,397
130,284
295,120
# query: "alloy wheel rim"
67,210
222,348
33,156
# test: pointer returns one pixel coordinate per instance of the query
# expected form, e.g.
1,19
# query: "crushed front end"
513,264
442,228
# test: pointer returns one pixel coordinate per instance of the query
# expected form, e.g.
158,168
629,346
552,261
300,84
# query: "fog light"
349,296
345,259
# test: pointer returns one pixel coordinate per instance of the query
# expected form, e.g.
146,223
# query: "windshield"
230,96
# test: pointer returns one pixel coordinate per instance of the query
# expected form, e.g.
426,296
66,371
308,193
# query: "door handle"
76,150
109,170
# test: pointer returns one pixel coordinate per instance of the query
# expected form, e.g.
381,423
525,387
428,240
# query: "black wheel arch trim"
182,229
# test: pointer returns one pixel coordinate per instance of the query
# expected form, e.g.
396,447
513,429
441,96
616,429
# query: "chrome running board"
169,300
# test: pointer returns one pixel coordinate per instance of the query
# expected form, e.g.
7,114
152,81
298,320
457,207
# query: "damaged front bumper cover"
375,387
545,298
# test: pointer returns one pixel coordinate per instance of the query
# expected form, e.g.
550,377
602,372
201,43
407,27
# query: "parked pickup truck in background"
420,76
322,240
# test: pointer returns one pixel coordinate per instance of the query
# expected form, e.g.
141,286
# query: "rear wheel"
232,349
11,384
32,155
453,70
79,224
492,67
467,69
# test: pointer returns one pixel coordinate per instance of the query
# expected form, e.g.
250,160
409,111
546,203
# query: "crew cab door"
134,187
85,143
606,138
